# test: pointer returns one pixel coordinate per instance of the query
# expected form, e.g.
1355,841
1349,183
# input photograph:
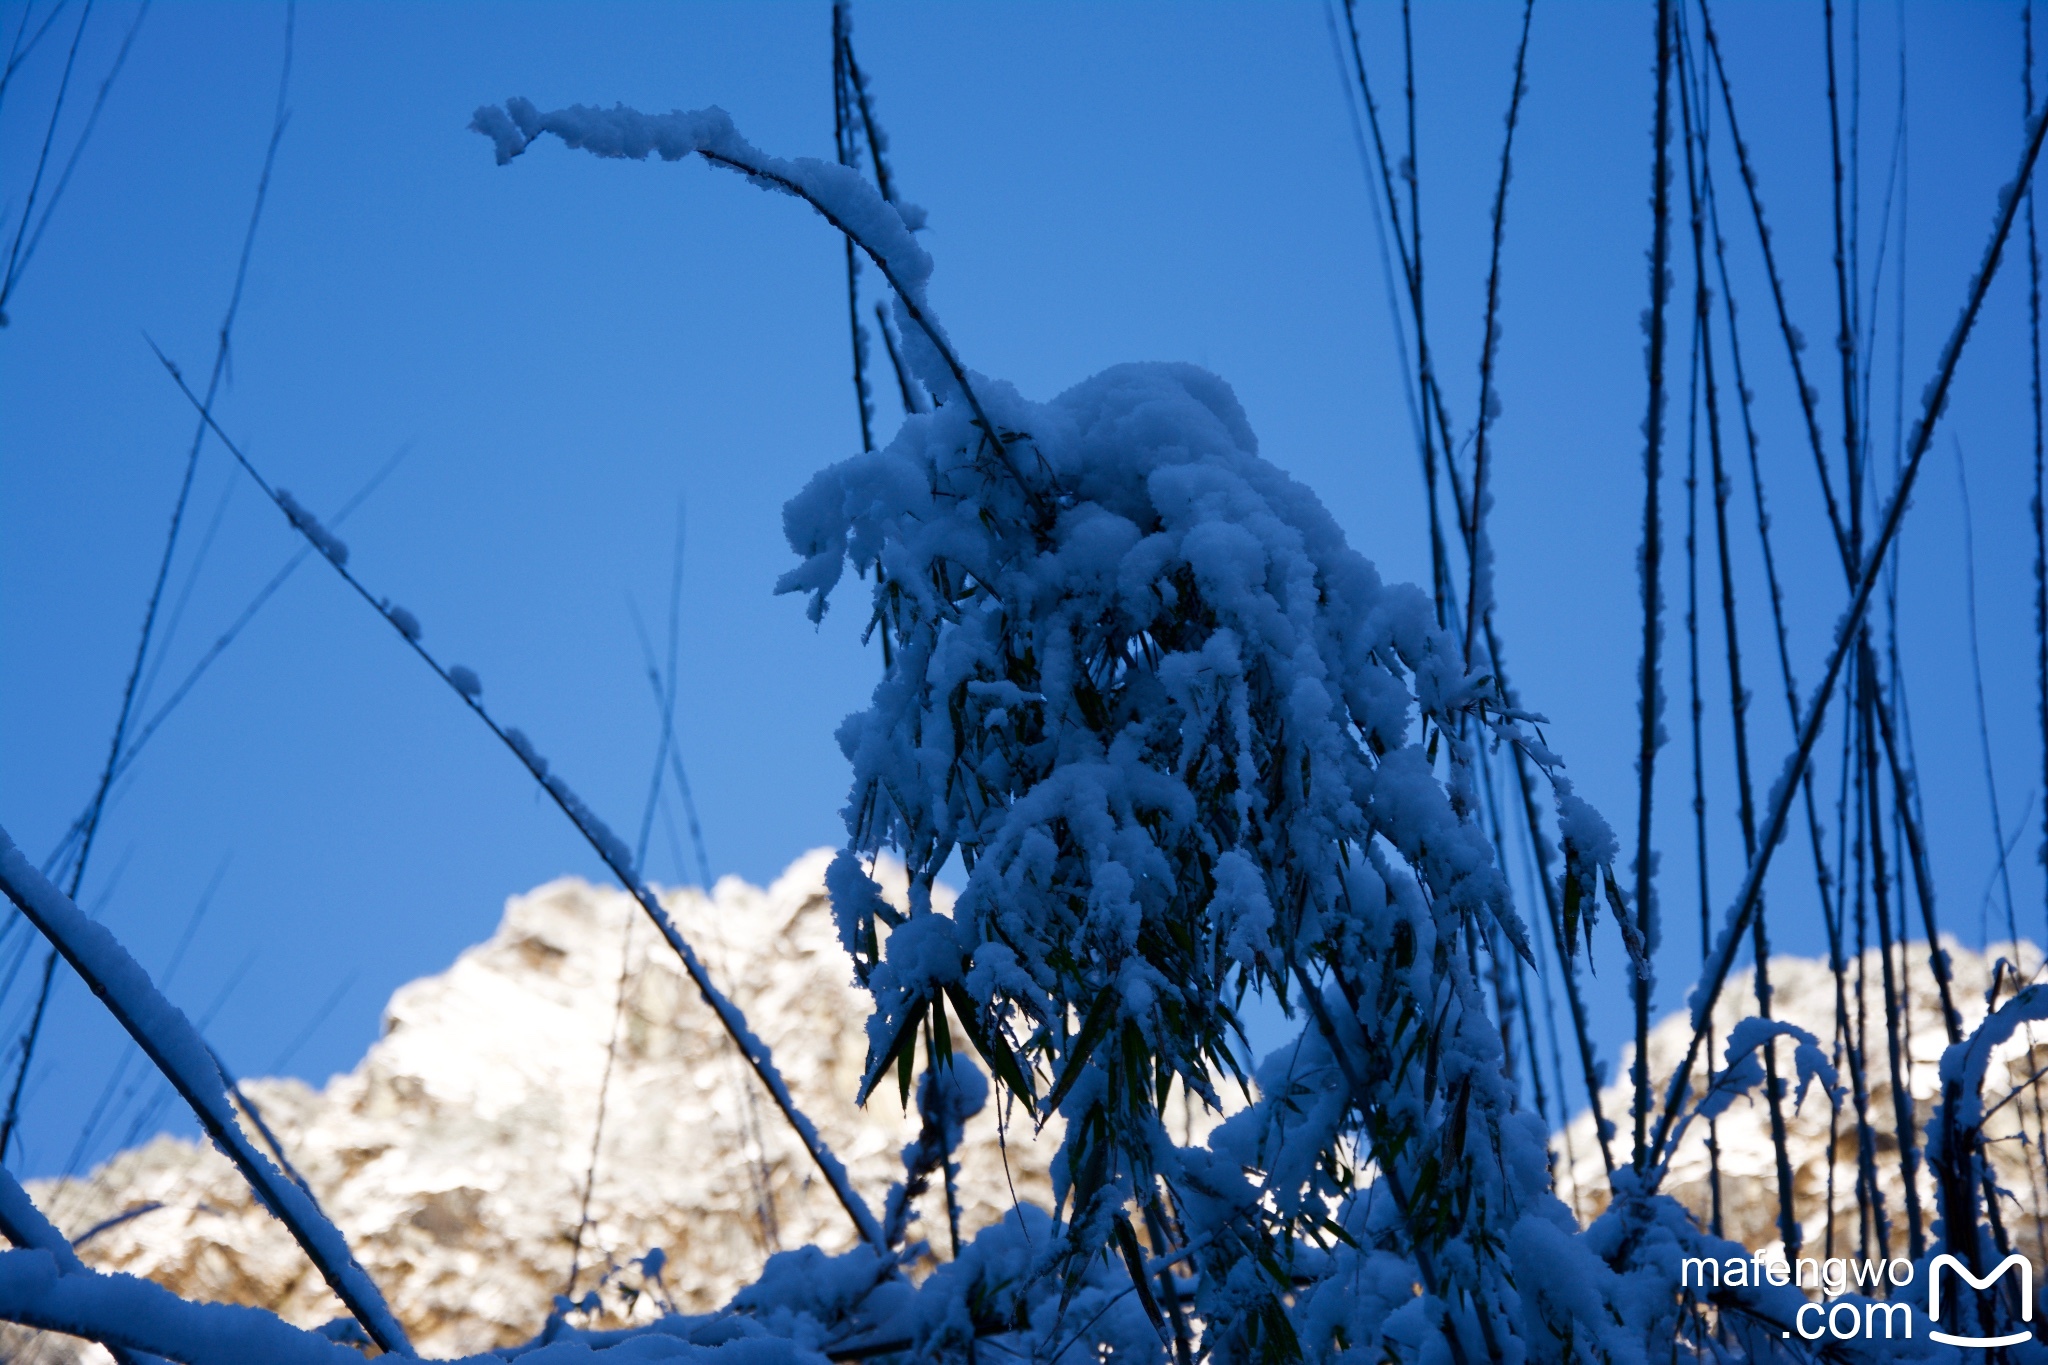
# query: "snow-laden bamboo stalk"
1478,551
1848,628
608,846
161,1030
1649,565
879,227
1694,133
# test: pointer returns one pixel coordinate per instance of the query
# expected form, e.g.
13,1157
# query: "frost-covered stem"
857,89
1738,707
1848,630
147,730
1998,850
1894,1003
615,855
18,266
665,698
123,1312
96,808
1795,342
843,142
1845,335
1478,555
1856,467
175,1047
604,1090
2040,439
1650,702
23,1224
1702,371
1697,712
35,184
1410,249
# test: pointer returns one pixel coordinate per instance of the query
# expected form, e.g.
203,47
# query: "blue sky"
566,349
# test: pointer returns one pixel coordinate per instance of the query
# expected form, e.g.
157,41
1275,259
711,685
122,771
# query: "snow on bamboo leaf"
1162,713
1166,723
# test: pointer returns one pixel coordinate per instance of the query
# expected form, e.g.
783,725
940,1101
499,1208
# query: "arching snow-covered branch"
168,1039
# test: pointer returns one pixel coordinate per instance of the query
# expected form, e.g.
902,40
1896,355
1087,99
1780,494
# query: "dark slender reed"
848,149
97,807
668,696
603,842
2040,437
19,51
1845,333
18,264
35,184
1905,1129
1411,270
906,387
1848,631
1478,555
1738,694
1650,701
1998,850
604,1090
1697,713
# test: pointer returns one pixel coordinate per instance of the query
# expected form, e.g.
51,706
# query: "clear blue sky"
566,348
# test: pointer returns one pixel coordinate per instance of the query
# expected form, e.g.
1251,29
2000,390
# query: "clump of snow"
309,525
1184,740
408,624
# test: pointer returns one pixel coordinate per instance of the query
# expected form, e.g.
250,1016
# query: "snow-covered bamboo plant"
1187,746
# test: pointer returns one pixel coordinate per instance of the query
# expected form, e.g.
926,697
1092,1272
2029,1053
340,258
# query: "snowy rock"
1803,993
454,1156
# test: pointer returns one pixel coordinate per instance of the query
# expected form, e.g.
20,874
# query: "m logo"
1981,1343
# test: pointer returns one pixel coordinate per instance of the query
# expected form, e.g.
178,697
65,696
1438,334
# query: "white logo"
1981,1343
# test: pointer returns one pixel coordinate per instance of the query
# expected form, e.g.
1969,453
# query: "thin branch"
1478,554
615,855
1650,698
183,1057
17,268
1934,403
